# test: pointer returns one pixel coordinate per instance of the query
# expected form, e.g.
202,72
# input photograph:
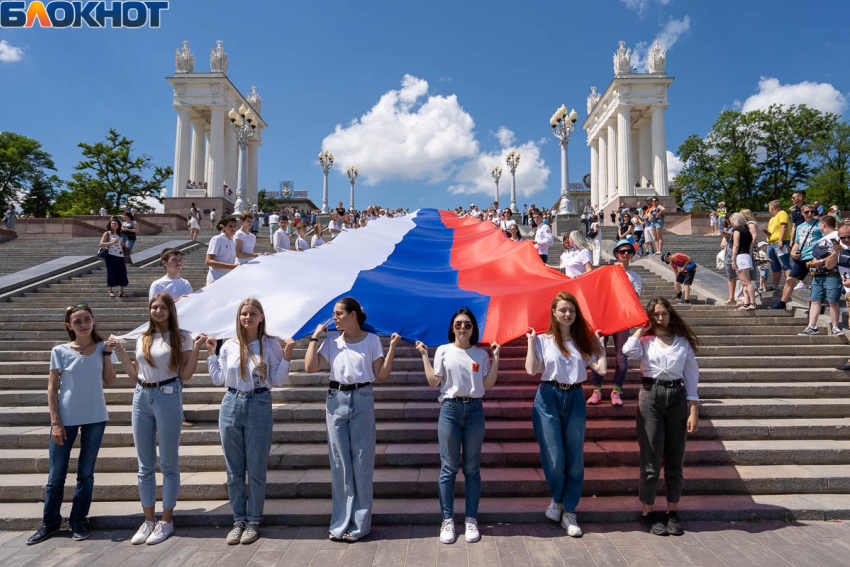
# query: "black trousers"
662,423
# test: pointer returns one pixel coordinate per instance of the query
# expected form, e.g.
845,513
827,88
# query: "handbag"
103,253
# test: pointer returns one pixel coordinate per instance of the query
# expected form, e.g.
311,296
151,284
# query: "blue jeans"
350,418
779,263
460,424
129,243
558,417
155,411
245,424
622,361
60,455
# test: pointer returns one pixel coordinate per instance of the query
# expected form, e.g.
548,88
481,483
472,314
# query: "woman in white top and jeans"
564,353
356,360
166,357
250,366
577,259
668,407
462,371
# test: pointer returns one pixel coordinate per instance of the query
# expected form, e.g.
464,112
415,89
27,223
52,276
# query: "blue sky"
471,80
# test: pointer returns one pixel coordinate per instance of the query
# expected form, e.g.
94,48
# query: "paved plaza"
706,544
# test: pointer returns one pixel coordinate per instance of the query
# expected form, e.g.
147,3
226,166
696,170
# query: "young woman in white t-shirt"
301,243
577,258
245,239
317,239
166,356
563,354
356,360
249,365
462,371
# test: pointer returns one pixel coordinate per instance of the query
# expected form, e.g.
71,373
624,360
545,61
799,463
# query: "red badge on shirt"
475,367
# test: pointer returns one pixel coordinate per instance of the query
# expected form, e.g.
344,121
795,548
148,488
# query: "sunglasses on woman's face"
463,325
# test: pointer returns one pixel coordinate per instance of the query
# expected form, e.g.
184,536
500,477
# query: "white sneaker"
144,532
554,511
471,532
161,532
447,532
800,285
568,522
837,331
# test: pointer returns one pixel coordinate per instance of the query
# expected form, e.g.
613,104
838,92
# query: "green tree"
830,181
110,175
39,199
21,160
265,203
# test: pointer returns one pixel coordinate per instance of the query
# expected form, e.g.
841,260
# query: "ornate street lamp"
496,172
244,124
327,161
513,161
563,124
352,176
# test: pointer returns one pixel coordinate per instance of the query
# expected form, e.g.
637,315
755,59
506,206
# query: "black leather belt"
255,391
666,383
156,384
334,385
463,400
561,385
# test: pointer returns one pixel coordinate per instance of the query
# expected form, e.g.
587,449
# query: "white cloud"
667,36
641,6
406,136
531,174
9,53
822,96
674,166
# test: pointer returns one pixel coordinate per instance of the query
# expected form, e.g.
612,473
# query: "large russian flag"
411,274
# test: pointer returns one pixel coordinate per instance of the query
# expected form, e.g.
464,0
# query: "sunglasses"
844,237
77,306
461,325
808,212
626,251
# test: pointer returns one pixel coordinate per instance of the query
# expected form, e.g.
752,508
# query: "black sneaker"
686,301
654,522
80,532
778,305
674,527
679,295
845,366
43,533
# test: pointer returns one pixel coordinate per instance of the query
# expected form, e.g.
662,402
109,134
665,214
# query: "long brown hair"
73,309
244,346
580,331
174,342
677,325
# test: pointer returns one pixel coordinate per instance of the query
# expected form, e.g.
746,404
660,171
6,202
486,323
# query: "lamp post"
563,124
513,161
352,176
496,172
244,124
327,161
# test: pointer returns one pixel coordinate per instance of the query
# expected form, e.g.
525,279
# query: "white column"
635,159
603,170
181,152
198,151
216,178
253,180
645,157
624,152
659,152
594,175
231,158
207,155
612,159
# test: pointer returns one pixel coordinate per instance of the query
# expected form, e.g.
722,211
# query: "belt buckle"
564,386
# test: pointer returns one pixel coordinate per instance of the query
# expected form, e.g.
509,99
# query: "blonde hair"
774,205
580,240
748,214
174,338
242,336
737,219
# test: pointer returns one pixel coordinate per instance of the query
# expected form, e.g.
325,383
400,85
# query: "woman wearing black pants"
668,408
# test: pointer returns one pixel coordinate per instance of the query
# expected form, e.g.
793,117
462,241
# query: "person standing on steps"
826,279
577,258
274,219
221,251
116,269
317,239
463,372
249,366
356,360
166,356
78,372
543,238
559,413
778,240
656,224
129,231
742,261
668,408
624,252
806,235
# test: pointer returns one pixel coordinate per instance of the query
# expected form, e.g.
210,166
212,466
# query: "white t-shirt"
543,239
573,261
281,241
506,225
161,355
225,251
193,223
225,368
637,281
274,218
351,363
462,371
301,244
556,366
333,225
316,241
248,241
173,287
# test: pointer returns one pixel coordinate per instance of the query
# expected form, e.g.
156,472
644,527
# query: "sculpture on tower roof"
185,61
657,59
218,59
622,60
592,99
255,100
